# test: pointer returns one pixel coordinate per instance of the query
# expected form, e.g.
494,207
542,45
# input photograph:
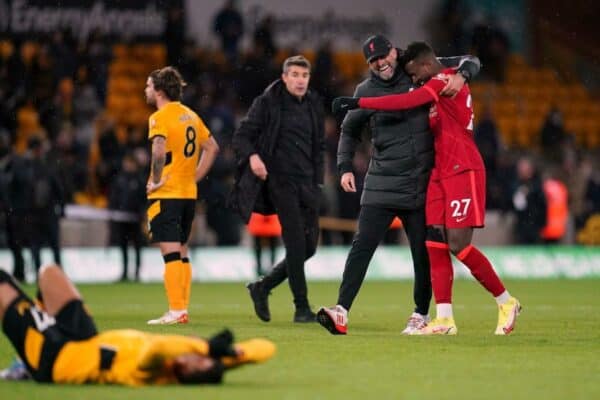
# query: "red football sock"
442,273
481,269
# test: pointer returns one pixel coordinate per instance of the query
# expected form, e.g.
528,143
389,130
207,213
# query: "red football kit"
456,191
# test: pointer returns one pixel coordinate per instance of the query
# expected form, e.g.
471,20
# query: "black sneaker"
303,315
260,299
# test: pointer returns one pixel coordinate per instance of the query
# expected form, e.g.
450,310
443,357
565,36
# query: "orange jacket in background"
264,225
557,209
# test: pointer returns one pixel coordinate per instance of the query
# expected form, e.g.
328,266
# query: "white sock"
417,315
503,298
444,310
177,313
341,309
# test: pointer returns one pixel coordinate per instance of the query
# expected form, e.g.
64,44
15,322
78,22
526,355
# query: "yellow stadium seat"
29,51
591,132
120,51
546,76
517,76
523,137
575,126
118,68
515,60
115,102
506,127
562,93
6,49
510,92
545,93
579,92
157,52
537,109
28,125
505,108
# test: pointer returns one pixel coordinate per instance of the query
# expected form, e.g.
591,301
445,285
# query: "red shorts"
457,201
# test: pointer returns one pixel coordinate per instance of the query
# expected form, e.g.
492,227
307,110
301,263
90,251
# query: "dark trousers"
45,228
297,206
373,223
123,234
15,233
259,241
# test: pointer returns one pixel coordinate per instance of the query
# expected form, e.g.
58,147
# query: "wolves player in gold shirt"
182,153
58,342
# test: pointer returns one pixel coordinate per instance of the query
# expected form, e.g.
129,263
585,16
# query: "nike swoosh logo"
460,219
344,105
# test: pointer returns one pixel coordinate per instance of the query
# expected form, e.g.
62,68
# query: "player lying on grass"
455,200
58,342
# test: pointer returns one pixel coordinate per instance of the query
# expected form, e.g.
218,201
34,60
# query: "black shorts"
39,337
170,220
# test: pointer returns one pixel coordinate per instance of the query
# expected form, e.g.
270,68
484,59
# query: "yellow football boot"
438,326
507,316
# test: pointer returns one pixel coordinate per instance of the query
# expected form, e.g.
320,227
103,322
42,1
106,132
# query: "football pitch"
554,352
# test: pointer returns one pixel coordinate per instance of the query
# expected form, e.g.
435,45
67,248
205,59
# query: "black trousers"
15,235
44,229
123,234
297,206
373,223
259,241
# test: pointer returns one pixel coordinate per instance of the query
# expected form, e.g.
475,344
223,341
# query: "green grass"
553,354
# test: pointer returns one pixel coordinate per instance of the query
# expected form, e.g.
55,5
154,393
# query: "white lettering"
41,320
27,18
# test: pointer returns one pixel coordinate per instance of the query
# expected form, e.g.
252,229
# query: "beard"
151,101
388,73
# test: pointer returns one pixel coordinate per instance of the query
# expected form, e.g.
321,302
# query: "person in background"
528,203
553,136
47,203
265,230
228,24
14,234
127,195
489,144
557,208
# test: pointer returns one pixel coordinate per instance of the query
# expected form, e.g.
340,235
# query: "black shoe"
303,315
260,299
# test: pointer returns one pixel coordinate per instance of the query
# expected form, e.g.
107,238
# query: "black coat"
258,133
530,210
403,152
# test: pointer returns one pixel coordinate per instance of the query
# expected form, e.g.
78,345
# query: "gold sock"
187,281
174,272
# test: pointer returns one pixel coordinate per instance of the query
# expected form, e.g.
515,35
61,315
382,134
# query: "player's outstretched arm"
250,352
392,102
342,104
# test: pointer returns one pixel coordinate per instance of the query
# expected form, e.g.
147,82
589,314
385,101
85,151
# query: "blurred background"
74,154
